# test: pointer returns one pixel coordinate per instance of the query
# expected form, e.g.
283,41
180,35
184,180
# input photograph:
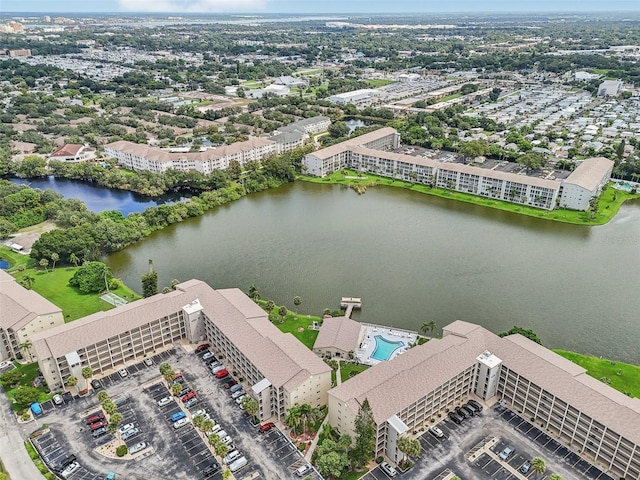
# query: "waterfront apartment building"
279,370
23,313
469,361
135,156
373,153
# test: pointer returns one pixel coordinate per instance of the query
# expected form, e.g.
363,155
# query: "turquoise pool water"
385,348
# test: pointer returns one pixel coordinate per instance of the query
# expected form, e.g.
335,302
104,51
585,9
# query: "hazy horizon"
355,7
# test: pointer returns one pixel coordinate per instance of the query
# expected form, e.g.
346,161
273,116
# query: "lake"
97,198
413,258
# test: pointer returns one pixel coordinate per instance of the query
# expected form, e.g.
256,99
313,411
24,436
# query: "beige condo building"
279,371
471,362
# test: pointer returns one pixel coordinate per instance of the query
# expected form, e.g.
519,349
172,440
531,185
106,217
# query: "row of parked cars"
465,411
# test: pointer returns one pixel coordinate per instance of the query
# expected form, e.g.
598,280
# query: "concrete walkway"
12,451
314,443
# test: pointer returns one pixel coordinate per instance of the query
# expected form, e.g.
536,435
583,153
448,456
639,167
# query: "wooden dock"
350,303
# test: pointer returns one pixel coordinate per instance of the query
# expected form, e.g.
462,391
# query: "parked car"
266,427
506,453
125,427
129,433
455,417
148,362
72,467
462,412
138,447
99,432
235,388
470,411
476,404
57,399
123,372
64,463
202,348
227,440
192,402
97,425
222,374
525,467
96,384
177,380
388,469
188,397
181,423
239,399
178,416
238,464
472,408
164,401
435,431
95,418
214,363
176,375
207,356
184,391
229,383
303,470
222,434
211,469
231,456
203,413
218,368
237,393
118,402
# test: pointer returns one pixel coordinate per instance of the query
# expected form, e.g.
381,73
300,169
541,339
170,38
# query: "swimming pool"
385,348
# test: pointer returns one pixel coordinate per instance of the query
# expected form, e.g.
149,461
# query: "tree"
44,263
149,281
10,378
109,407
197,421
87,373
297,301
176,389
269,306
91,277
293,418
73,258
282,311
530,334
409,447
532,160
428,327
27,281
495,94
555,476
54,258
26,395
174,283
474,148
102,396
538,465
116,418
338,129
234,169
72,381
254,294
26,346
207,425
332,464
250,405
365,430
165,368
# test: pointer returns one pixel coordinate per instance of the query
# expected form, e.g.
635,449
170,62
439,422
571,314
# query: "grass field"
609,203
14,259
30,371
375,83
54,286
348,370
624,377
293,322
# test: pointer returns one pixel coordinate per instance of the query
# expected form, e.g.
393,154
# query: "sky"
315,6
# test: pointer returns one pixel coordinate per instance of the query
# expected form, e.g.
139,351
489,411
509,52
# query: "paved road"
14,456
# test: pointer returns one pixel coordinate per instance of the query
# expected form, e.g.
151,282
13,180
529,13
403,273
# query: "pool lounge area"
379,344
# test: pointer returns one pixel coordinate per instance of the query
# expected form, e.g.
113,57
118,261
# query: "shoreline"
609,203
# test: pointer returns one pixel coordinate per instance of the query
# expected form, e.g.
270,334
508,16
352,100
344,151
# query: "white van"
238,464
231,457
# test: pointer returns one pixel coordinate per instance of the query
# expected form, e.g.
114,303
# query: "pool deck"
367,343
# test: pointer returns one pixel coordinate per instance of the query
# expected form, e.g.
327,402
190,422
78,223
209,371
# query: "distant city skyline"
307,7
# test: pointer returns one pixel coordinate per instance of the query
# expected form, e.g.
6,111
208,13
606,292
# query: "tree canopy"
91,277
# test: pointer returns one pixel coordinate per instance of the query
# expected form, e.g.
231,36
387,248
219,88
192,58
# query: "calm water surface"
414,258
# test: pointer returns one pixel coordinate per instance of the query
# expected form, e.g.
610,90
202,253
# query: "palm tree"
116,418
44,263
428,327
409,447
297,300
250,406
176,389
73,258
555,476
270,305
293,419
26,346
538,465
282,311
197,421
87,373
102,396
207,425
72,381
254,294
54,258
109,407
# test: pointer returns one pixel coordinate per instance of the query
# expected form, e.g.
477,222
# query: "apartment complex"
135,156
71,153
22,314
408,391
279,369
373,153
297,133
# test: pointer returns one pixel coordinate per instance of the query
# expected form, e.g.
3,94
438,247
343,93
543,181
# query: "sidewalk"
12,451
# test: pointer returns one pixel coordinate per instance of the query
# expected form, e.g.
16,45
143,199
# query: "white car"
129,433
70,469
181,423
436,432
227,440
138,447
164,401
239,399
123,372
207,356
126,427
388,469
202,413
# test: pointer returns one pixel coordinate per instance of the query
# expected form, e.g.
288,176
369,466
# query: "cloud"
192,6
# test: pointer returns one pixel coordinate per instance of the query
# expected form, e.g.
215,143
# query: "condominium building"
71,153
469,361
372,153
136,156
279,370
23,313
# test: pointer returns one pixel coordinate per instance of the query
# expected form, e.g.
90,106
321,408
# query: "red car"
175,375
95,418
97,425
188,397
202,348
266,427
222,373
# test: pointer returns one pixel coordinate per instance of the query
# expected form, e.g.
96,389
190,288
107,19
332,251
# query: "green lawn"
348,370
624,377
293,322
14,259
54,286
379,83
609,204
30,371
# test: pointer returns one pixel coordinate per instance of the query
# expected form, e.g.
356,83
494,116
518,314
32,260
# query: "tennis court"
113,299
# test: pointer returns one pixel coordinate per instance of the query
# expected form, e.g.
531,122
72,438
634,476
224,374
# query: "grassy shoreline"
608,206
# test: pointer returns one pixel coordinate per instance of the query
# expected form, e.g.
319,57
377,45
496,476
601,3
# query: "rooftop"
590,172
339,332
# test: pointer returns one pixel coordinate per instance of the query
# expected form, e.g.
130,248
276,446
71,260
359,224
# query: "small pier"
350,303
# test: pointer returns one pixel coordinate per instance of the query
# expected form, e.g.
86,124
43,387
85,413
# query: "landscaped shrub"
122,450
302,446
379,460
